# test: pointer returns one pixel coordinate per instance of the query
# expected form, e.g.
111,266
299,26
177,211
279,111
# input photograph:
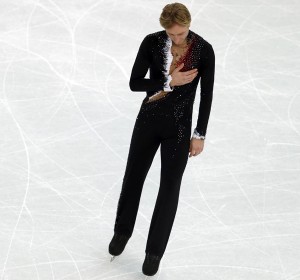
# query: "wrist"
197,135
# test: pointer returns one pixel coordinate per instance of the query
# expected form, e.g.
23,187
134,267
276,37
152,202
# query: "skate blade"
112,258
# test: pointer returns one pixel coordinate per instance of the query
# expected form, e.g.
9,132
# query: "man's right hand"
182,78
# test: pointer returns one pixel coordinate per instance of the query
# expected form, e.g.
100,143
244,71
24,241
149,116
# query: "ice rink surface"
66,119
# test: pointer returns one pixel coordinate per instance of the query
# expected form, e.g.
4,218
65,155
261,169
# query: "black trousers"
155,126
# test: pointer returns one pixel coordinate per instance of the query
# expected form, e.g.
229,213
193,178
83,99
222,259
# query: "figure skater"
177,58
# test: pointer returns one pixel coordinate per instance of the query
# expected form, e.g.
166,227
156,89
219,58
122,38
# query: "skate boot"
151,264
117,245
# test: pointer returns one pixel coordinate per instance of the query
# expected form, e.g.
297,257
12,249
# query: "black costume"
166,122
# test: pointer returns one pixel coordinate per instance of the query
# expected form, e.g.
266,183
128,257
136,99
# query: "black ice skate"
117,245
151,264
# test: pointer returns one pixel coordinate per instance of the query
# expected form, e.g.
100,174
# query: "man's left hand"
196,147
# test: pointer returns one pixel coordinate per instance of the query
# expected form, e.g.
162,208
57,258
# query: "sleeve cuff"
197,135
167,86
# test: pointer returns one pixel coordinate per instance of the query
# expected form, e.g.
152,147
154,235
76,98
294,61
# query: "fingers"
185,77
191,72
190,78
190,75
194,153
179,67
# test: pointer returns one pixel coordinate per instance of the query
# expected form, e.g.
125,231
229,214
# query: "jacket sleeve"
207,85
137,81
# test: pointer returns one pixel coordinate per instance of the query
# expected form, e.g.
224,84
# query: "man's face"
177,33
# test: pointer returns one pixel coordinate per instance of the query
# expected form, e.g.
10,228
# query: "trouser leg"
174,158
143,146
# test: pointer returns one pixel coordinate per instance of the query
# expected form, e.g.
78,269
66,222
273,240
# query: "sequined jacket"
154,54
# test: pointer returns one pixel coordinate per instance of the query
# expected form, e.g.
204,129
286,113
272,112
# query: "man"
177,58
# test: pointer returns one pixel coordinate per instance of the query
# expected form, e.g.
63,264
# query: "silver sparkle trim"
197,135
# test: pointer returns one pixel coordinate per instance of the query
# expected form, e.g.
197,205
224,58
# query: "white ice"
66,118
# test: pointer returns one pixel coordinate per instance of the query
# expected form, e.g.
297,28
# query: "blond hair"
175,13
